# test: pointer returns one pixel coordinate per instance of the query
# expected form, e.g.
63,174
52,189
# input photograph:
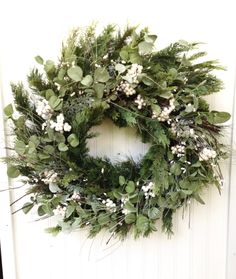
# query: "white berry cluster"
43,109
207,154
30,124
125,87
60,210
128,40
110,205
173,128
148,190
191,107
75,197
59,125
68,64
140,102
191,132
165,113
123,202
182,131
134,72
178,149
50,176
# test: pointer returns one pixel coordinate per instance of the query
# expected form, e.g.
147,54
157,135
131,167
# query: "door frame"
6,221
231,222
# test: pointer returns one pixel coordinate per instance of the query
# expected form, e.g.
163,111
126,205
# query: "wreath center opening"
115,143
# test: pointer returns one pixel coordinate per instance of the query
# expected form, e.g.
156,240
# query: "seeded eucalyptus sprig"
120,76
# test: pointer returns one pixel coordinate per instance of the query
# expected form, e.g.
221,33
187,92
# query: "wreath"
119,76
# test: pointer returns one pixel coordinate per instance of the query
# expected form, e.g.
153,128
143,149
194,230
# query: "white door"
204,244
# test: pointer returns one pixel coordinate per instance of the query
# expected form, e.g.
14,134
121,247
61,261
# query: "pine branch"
21,98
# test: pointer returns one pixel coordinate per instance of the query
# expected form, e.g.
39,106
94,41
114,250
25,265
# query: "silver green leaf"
75,73
101,75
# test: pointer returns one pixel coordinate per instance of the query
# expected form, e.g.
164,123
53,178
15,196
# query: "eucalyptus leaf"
12,171
130,187
99,89
65,226
220,117
61,74
44,156
39,59
49,149
8,110
73,140
62,147
147,80
142,223
135,58
75,73
49,66
124,55
121,180
173,72
27,207
47,208
198,198
49,93
53,187
20,147
166,95
59,137
156,109
35,140
70,210
77,223
31,148
145,48
175,169
150,38
54,102
101,75
130,207
130,218
154,213
103,219
53,230
120,68
128,78
87,80
117,194
41,211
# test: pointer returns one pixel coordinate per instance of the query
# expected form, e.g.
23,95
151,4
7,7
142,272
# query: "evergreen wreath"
119,76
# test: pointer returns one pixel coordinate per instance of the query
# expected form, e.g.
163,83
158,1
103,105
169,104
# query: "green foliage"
12,171
142,224
8,110
73,140
130,218
21,99
87,81
154,213
62,147
120,76
130,188
53,230
27,207
39,59
75,73
101,75
121,180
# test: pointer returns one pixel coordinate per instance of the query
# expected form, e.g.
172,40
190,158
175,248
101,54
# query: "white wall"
205,250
